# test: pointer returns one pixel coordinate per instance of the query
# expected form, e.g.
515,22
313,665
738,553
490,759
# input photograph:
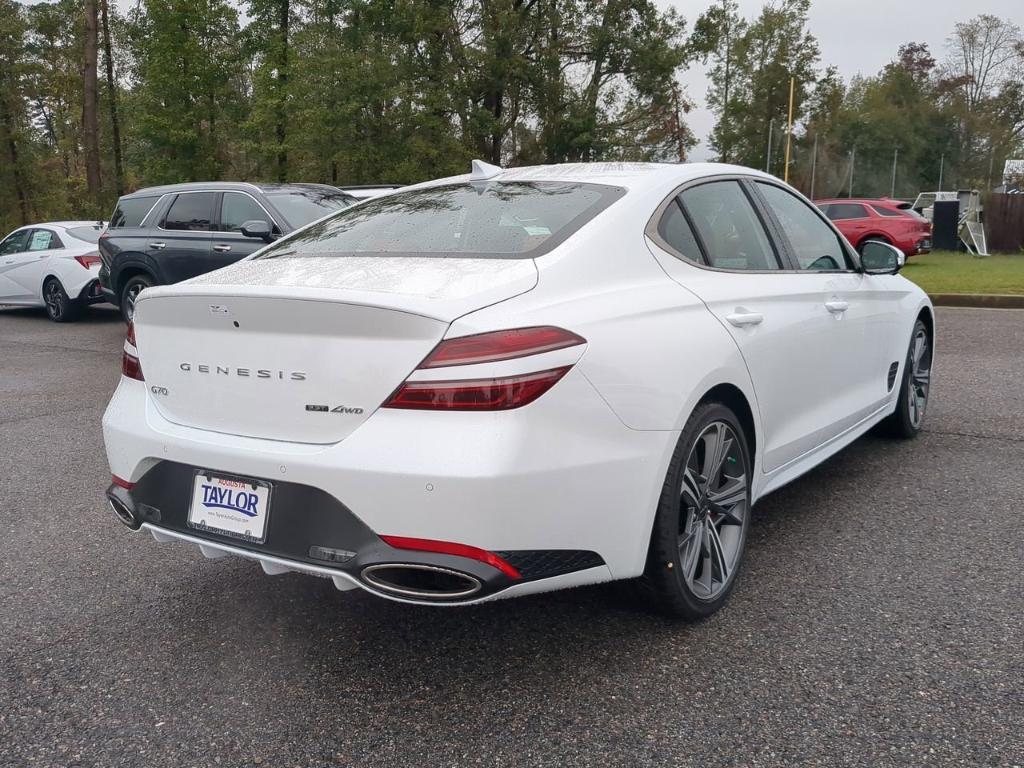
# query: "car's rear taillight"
88,259
130,365
500,345
494,393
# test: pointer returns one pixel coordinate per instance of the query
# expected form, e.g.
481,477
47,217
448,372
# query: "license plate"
232,506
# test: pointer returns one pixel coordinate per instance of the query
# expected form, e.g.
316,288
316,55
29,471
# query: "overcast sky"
854,35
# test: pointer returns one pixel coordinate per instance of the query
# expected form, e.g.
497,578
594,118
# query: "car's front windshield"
302,207
468,220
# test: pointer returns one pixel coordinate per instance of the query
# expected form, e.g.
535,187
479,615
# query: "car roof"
65,224
241,186
861,200
623,174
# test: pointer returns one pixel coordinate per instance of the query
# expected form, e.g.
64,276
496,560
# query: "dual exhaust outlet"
406,580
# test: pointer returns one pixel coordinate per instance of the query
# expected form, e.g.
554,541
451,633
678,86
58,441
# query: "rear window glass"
483,220
130,212
300,208
86,234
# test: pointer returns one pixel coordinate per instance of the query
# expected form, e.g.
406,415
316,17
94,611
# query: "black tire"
130,291
60,307
666,583
906,422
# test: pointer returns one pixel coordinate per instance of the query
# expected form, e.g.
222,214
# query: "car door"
865,314
728,255
33,264
181,243
229,244
13,256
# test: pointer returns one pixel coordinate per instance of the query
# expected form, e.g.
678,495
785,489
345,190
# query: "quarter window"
814,243
888,212
729,228
130,212
676,231
193,212
238,208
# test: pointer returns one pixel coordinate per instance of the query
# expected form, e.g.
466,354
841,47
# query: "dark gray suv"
166,234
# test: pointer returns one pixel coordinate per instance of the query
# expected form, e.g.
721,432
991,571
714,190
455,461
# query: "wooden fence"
1004,222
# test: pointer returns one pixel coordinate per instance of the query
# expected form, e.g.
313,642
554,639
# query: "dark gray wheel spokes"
920,377
713,510
54,300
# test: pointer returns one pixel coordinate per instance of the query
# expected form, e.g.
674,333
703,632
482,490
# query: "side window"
814,243
841,211
728,226
192,211
15,243
130,212
675,230
238,208
43,240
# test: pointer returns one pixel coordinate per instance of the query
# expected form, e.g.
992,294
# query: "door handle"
158,246
740,319
837,307
222,248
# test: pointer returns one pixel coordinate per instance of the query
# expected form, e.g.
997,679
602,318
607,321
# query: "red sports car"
891,221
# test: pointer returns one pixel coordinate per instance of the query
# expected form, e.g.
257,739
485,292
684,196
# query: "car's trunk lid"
305,352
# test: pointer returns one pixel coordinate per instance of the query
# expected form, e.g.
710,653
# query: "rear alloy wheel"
915,385
59,306
130,293
700,528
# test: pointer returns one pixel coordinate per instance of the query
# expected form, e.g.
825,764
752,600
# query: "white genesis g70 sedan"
515,381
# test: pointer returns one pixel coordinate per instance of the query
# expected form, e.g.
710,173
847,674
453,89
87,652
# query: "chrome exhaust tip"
124,509
421,582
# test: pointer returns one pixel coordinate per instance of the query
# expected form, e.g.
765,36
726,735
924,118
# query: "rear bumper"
106,291
560,488
91,293
312,532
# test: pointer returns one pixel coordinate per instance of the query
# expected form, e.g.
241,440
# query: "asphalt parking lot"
878,621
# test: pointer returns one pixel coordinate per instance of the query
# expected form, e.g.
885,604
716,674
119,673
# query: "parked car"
162,235
516,381
53,265
885,220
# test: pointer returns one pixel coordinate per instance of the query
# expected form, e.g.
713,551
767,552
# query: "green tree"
770,50
189,98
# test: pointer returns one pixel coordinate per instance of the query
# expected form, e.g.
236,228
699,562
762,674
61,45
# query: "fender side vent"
892,374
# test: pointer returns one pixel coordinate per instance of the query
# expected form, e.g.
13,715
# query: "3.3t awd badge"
335,409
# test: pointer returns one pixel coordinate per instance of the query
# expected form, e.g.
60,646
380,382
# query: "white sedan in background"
515,381
53,265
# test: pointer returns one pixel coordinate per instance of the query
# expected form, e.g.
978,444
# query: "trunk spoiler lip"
433,308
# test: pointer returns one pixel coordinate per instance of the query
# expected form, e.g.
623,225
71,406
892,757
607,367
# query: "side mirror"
878,258
257,228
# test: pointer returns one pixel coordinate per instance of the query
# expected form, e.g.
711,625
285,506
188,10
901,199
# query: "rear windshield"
130,212
86,234
300,208
485,220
